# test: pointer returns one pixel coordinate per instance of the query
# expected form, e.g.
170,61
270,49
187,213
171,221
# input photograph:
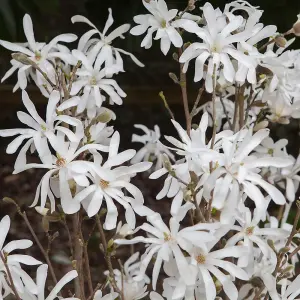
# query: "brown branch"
107,256
12,285
183,86
77,259
45,254
87,264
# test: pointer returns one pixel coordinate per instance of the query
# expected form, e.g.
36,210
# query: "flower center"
37,56
103,184
167,237
201,259
271,151
163,23
249,230
61,162
93,81
44,128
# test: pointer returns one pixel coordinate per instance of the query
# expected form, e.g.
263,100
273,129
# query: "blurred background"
52,17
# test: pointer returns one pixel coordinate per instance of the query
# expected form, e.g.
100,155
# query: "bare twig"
45,254
11,283
183,86
77,259
108,258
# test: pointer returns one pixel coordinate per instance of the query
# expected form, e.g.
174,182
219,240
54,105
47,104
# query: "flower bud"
280,41
296,27
191,5
42,210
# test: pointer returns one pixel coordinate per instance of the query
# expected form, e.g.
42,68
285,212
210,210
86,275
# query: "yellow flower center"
201,259
270,151
249,230
103,184
61,162
93,81
167,237
163,24
37,56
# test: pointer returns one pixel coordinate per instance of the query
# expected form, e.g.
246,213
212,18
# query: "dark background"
52,17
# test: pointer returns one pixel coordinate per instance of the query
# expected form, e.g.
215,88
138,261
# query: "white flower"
109,190
195,148
291,290
41,132
153,149
39,53
132,289
168,242
250,233
217,47
101,49
239,166
41,276
209,262
162,21
110,296
20,278
91,78
65,165
290,174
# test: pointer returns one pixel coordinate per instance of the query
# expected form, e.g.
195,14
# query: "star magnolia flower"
269,148
40,132
290,290
67,168
239,166
250,234
290,175
41,276
153,149
39,53
217,47
197,151
131,288
164,22
101,49
170,242
208,262
92,79
20,278
111,296
109,190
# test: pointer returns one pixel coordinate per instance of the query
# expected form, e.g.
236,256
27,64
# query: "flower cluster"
226,185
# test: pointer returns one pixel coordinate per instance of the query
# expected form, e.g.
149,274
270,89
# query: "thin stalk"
183,86
11,284
45,254
78,252
108,258
87,265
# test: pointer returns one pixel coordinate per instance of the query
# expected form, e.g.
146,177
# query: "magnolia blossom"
251,234
132,289
38,53
101,49
162,21
217,47
20,278
153,149
209,262
41,132
169,242
41,276
93,82
239,165
65,165
111,189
